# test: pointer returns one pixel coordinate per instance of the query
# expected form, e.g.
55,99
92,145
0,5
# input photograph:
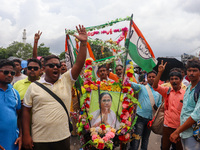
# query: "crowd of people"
31,118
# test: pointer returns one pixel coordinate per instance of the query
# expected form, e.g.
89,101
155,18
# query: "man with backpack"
190,112
173,98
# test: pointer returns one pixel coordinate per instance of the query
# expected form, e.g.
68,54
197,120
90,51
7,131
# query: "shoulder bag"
58,99
156,124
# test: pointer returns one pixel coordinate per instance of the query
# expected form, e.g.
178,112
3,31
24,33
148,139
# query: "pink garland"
122,36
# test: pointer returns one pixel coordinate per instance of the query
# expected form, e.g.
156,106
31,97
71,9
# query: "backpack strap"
151,98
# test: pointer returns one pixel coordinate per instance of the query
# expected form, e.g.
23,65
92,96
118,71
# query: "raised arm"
161,68
82,37
36,38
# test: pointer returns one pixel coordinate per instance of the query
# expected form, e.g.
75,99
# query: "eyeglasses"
34,68
6,72
104,100
53,65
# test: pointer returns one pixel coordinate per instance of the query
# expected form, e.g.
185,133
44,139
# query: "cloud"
170,27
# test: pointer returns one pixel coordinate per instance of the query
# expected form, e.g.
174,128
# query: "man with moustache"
10,136
50,128
33,73
144,113
173,104
190,111
119,71
103,74
63,67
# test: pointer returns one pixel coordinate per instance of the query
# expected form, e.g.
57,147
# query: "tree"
62,56
100,53
19,50
43,51
3,54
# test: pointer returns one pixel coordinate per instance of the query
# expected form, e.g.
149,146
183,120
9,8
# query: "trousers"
166,143
143,131
60,145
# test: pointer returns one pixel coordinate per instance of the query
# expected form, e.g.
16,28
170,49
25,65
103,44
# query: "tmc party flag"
139,50
69,53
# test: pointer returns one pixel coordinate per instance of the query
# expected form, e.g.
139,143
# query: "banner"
139,50
107,101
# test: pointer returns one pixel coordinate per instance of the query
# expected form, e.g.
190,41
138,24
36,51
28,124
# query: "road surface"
154,142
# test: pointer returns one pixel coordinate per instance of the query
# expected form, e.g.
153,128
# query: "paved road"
154,142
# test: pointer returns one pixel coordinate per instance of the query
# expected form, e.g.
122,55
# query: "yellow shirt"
49,119
21,86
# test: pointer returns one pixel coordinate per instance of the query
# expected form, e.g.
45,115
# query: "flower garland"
83,123
128,106
106,44
72,32
108,61
122,36
102,136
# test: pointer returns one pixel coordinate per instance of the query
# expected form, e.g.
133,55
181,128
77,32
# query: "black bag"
58,99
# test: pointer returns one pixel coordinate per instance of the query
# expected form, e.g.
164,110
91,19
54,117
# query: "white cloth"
108,79
111,119
185,82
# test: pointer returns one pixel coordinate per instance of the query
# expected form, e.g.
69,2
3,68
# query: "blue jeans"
143,131
190,144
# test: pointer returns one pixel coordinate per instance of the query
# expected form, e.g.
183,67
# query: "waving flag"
69,54
139,50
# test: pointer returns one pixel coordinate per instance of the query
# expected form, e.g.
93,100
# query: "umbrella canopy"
171,63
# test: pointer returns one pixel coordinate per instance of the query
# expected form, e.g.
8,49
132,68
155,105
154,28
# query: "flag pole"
126,45
77,82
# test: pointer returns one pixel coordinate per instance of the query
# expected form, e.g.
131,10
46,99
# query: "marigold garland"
103,135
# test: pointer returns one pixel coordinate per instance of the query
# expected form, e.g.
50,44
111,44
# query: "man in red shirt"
173,105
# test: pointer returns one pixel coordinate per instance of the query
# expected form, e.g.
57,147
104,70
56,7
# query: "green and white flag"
139,50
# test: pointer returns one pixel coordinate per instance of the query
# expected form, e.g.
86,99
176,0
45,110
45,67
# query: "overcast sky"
171,27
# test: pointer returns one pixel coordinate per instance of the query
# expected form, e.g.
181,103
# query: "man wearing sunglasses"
10,137
50,129
33,73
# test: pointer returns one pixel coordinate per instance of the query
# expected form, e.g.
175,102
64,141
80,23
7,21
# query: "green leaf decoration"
72,32
134,100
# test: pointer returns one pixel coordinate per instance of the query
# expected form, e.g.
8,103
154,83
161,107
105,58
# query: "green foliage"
19,50
3,54
43,51
62,56
98,54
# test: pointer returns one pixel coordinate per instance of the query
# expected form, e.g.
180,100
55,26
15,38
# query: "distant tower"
24,36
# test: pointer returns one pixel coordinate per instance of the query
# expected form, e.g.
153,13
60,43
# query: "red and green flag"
139,50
